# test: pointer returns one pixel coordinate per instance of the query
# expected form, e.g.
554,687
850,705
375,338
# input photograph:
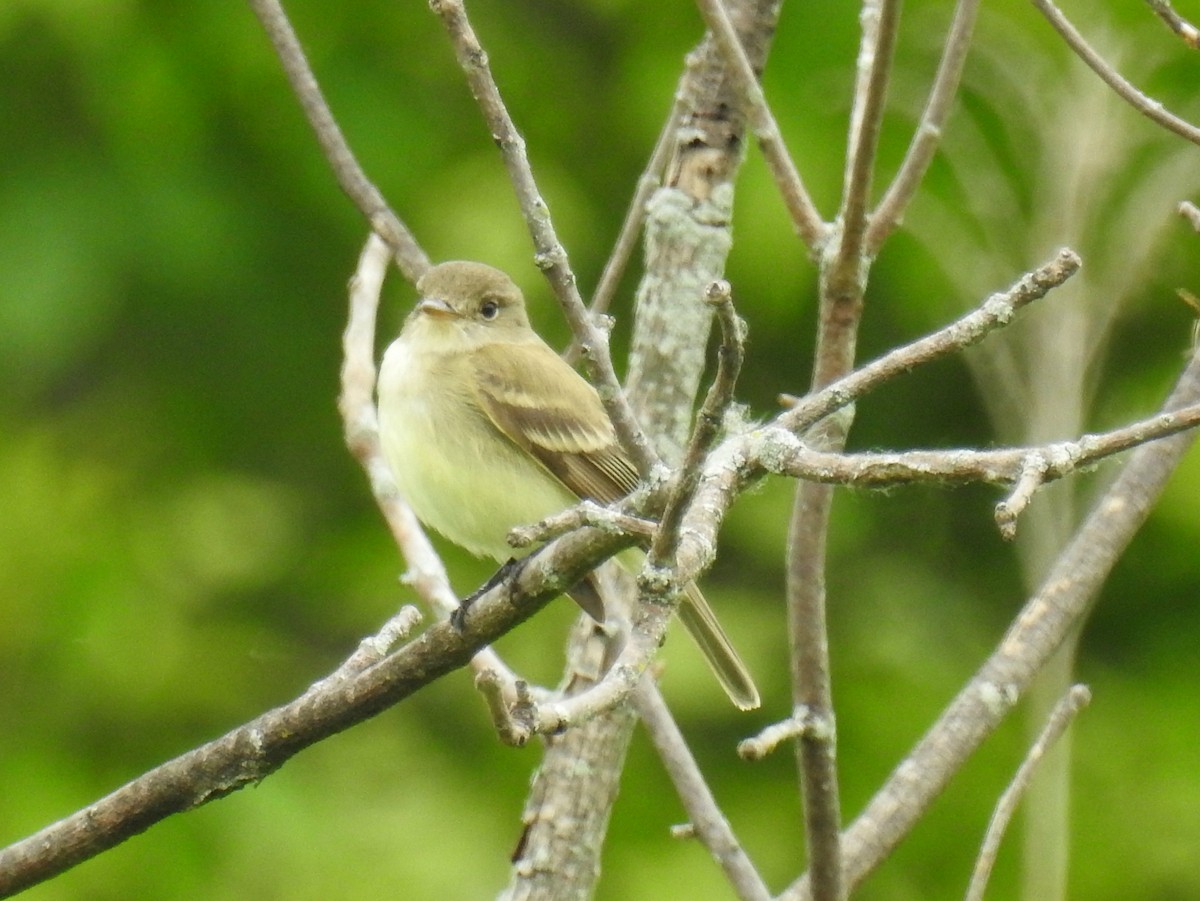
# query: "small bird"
486,428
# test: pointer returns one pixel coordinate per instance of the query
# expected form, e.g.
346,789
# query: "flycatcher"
486,428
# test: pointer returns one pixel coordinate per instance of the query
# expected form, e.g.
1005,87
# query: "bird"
486,428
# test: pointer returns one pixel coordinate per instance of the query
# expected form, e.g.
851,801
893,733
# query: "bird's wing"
551,412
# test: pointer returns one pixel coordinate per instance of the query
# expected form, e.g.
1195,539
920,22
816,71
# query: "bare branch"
995,312
707,821
881,24
586,513
384,222
779,451
251,752
708,421
550,255
1060,718
627,238
890,212
1177,23
812,692
809,226
770,738
1033,476
509,715
1151,109
1046,620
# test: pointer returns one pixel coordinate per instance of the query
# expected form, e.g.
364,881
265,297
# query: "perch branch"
251,752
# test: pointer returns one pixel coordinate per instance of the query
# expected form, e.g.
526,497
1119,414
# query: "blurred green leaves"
184,541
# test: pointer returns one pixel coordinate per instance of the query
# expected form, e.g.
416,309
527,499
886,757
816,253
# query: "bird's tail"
701,623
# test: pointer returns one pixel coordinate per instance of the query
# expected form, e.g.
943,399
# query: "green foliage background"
185,542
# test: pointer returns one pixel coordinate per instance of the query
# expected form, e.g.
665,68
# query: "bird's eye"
489,310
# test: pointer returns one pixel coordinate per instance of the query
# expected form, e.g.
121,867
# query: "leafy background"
185,542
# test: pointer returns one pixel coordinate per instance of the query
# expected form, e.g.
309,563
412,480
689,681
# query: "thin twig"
550,255
411,259
585,513
1033,476
627,238
890,211
876,52
1177,23
809,226
1151,109
759,746
373,648
1060,718
707,821
995,312
1191,213
709,420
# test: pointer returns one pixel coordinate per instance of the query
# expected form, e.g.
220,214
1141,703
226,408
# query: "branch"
843,274
1151,109
778,451
995,312
550,255
881,24
809,226
708,822
1047,618
709,420
743,458
350,176
627,238
1181,26
769,739
251,752
1060,718
890,212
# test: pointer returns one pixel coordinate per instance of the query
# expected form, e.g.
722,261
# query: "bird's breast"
460,474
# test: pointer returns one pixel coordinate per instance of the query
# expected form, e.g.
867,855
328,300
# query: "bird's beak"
437,308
